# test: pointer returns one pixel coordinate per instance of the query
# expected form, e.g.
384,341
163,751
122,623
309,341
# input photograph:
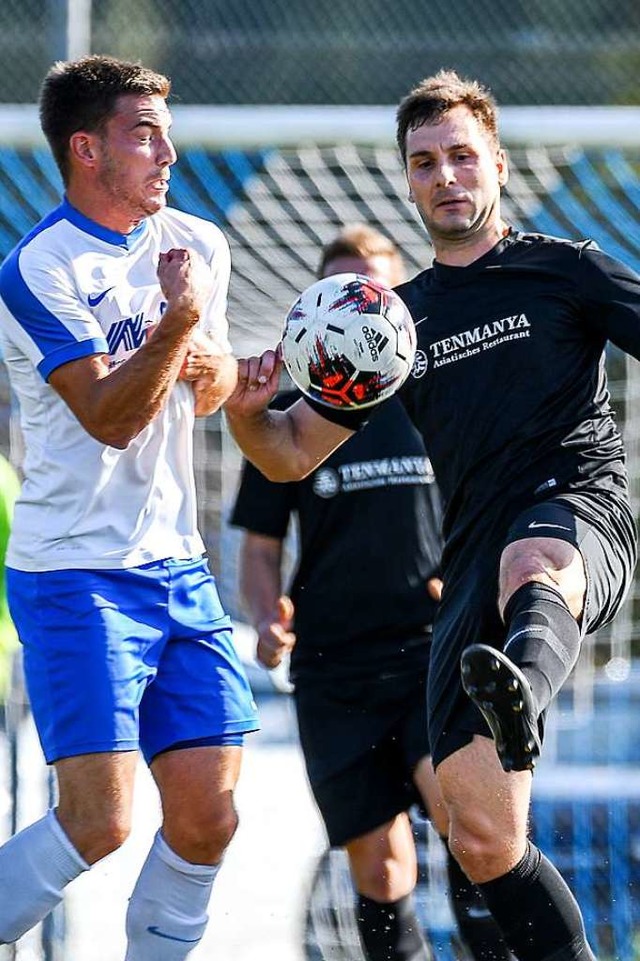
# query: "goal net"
280,182
280,202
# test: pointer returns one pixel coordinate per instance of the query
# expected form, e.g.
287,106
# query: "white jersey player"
112,322
73,289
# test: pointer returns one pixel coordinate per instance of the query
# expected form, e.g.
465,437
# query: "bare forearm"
134,394
115,405
212,390
260,580
286,445
271,612
266,438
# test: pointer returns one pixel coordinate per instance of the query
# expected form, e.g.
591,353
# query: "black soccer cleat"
503,695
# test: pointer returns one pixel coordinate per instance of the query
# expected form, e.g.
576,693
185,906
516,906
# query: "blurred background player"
358,627
9,489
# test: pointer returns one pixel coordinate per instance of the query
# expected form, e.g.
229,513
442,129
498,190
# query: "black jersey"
369,526
509,387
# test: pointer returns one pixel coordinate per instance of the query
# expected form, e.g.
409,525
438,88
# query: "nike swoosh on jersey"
170,937
94,299
559,527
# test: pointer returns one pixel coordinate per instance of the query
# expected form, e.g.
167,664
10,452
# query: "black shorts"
361,741
598,523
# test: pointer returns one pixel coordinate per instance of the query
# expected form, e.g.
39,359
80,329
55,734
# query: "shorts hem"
248,726
241,727
100,747
339,838
453,742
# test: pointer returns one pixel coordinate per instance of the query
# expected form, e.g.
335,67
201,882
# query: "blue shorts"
120,660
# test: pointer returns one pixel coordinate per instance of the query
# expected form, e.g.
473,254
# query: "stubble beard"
461,232
132,202
451,233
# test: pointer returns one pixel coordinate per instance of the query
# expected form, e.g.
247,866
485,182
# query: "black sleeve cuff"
350,418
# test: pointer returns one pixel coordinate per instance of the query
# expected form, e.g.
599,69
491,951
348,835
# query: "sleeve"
262,506
50,323
610,292
352,419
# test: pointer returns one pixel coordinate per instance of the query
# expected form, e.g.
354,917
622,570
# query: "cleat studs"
495,664
513,685
517,708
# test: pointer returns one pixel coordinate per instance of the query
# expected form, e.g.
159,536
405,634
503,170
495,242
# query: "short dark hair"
435,96
359,240
82,95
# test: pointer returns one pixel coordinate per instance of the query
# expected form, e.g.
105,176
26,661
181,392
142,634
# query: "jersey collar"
452,276
97,230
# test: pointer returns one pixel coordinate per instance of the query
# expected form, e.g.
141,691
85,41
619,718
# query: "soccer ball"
348,341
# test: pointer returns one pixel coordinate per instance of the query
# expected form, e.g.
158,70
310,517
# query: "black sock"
390,931
543,638
476,925
537,912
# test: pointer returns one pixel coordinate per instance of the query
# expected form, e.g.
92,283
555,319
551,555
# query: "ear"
503,167
82,149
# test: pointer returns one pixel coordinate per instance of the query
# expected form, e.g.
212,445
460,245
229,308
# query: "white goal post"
290,126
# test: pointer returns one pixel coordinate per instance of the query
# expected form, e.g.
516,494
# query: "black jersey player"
357,624
509,391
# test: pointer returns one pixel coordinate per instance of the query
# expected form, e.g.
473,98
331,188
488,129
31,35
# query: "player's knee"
521,569
481,848
473,853
386,889
116,833
95,838
220,834
384,879
555,563
202,839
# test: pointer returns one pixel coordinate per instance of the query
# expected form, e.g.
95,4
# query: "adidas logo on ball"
348,341
376,342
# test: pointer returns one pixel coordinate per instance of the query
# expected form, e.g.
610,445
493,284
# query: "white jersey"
72,289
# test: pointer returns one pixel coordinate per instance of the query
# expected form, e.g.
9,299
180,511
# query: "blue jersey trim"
73,351
44,224
54,341
88,226
66,211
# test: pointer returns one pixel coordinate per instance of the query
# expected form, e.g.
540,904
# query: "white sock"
35,867
167,913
